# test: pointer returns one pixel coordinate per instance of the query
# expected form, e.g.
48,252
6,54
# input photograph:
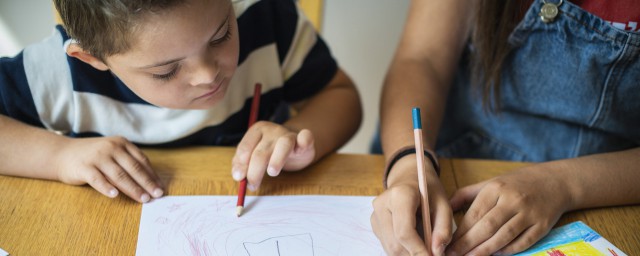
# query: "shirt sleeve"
16,100
308,65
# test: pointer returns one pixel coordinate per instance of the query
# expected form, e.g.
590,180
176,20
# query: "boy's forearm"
333,115
27,151
600,180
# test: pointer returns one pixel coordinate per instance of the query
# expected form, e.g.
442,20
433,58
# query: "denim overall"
570,87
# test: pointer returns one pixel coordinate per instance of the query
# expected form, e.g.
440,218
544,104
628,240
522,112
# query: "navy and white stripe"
279,48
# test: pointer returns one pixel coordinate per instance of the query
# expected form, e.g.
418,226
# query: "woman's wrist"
403,153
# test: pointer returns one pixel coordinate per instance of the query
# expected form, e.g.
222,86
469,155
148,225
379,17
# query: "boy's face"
183,57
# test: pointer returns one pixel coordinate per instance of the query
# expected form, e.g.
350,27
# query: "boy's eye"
226,36
166,76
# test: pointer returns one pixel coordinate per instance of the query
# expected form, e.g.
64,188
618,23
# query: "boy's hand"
394,212
508,213
108,164
272,148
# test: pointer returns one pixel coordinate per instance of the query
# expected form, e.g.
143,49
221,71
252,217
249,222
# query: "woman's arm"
419,76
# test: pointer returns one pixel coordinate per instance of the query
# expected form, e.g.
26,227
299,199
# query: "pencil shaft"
255,104
242,190
253,117
422,184
422,177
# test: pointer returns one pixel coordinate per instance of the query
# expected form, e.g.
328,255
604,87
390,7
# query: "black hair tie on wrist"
408,151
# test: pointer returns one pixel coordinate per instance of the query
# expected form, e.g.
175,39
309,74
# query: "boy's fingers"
140,173
244,151
304,139
144,161
97,181
284,146
258,165
121,179
238,171
247,145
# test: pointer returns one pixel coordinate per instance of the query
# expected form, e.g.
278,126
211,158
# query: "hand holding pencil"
413,186
268,147
253,116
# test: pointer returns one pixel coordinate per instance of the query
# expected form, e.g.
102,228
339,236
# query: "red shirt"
622,14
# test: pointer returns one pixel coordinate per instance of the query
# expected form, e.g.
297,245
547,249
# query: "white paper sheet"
270,225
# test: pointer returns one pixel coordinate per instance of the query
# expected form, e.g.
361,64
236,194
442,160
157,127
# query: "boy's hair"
105,27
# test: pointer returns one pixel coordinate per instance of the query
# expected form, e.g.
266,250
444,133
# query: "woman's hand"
509,213
269,147
109,165
394,212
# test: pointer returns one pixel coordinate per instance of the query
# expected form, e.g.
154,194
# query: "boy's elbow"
344,82
355,103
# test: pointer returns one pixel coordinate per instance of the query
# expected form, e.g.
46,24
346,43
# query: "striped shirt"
279,48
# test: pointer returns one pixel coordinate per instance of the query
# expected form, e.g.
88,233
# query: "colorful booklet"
573,239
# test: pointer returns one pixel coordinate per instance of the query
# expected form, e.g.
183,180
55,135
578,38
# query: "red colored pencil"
253,117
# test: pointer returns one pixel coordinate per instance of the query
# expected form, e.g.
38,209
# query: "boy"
170,73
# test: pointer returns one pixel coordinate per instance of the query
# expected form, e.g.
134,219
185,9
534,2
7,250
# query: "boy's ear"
74,50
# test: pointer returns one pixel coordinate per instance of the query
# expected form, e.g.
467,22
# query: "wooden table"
40,217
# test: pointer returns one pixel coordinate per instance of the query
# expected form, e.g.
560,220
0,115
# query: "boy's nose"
205,74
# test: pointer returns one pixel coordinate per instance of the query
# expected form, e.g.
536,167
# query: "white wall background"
362,34
26,22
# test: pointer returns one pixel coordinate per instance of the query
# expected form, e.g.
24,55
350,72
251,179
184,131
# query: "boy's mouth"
216,89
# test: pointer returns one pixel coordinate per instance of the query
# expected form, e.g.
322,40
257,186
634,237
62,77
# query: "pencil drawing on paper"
273,225
300,245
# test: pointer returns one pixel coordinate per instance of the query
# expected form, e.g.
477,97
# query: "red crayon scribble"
613,253
555,252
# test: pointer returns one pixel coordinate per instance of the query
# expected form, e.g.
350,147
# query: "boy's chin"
202,103
193,106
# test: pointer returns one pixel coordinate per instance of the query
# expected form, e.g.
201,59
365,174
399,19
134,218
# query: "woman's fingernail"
157,192
145,198
113,193
236,175
272,171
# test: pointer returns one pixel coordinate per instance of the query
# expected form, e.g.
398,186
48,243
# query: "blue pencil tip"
417,122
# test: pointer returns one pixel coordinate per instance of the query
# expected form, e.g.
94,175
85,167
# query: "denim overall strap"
570,87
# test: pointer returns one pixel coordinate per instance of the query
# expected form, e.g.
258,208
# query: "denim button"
549,11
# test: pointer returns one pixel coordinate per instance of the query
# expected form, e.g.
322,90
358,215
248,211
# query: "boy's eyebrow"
179,59
162,63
